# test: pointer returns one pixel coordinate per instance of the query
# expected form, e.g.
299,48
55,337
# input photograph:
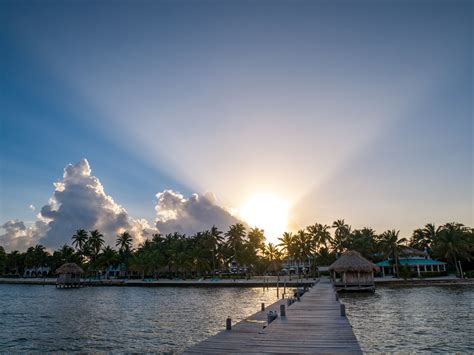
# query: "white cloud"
78,201
175,213
18,236
32,207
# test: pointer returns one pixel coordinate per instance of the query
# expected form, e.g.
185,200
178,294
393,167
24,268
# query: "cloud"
18,236
175,213
32,207
78,201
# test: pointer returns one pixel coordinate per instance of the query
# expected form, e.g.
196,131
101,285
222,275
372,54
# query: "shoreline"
446,281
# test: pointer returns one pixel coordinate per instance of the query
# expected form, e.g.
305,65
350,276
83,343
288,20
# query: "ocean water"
413,319
125,319
134,319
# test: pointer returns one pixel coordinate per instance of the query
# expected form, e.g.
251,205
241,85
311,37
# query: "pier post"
343,310
263,306
228,323
282,310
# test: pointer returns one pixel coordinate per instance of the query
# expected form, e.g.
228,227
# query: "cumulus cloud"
78,201
175,213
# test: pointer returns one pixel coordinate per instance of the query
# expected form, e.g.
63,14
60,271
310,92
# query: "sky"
173,115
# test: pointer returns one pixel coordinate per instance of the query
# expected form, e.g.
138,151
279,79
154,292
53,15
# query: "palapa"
353,261
69,268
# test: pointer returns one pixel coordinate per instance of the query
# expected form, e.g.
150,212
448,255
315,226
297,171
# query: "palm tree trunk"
214,262
458,272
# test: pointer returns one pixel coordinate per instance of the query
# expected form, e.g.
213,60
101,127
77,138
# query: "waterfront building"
113,271
416,264
292,266
36,271
353,272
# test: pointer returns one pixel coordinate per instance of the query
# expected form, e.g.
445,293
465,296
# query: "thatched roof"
407,251
352,261
69,268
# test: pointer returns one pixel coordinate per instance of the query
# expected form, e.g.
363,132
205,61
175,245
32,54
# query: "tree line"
211,251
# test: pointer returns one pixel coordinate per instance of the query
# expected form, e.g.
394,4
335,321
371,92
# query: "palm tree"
320,235
341,234
235,237
364,241
453,242
3,260
391,245
418,240
273,255
256,241
79,240
14,262
215,236
303,247
287,244
109,257
124,242
95,242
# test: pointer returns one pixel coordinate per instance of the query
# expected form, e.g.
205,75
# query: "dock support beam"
263,306
282,310
228,323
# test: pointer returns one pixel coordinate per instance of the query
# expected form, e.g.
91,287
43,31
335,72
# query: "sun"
266,212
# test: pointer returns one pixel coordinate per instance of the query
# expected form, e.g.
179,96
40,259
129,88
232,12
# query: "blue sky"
347,109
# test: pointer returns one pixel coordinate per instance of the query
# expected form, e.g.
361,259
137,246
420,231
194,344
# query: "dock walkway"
312,326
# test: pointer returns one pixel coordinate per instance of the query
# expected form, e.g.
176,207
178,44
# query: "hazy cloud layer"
175,213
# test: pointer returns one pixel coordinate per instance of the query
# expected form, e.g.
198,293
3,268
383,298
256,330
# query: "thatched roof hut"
69,275
353,261
69,268
354,271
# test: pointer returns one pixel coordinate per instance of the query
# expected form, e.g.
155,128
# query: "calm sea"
132,319
415,319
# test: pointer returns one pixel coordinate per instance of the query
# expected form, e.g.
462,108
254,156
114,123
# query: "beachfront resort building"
36,271
291,266
417,265
353,272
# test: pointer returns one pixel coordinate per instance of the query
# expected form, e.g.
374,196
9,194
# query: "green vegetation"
210,252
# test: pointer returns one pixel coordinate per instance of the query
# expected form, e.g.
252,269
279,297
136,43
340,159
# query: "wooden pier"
313,325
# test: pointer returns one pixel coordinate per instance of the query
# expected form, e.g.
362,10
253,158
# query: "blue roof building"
415,263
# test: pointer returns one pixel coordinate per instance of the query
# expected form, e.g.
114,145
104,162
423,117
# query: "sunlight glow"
267,212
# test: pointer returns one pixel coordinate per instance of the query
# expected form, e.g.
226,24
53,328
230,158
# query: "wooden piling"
228,323
282,310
